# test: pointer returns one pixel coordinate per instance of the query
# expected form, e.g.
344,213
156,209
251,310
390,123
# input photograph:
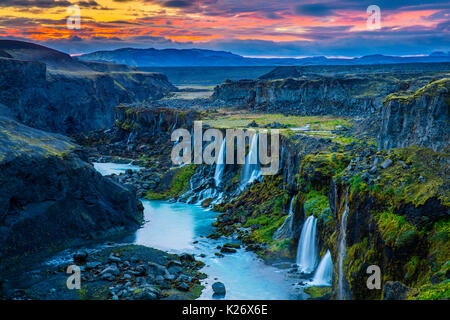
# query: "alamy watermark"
374,280
374,19
74,20
74,281
235,151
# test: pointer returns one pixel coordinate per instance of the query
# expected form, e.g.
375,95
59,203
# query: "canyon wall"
51,198
421,118
72,101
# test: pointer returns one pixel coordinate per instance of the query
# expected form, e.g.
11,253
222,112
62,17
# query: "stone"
219,288
113,258
93,265
111,270
80,257
227,250
386,164
394,290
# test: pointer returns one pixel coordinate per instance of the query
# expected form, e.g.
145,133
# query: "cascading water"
286,228
324,273
307,248
220,165
251,170
342,250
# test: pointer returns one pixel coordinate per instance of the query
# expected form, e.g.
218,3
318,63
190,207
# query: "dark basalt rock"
50,198
49,90
418,119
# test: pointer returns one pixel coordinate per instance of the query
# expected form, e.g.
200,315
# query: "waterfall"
307,248
342,249
286,228
220,164
324,272
251,170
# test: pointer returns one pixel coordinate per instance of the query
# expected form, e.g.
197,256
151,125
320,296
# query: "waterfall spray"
307,248
342,249
324,273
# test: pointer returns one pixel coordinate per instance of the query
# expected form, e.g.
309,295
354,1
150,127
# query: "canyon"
363,175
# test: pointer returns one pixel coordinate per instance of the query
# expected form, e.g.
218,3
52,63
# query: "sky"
258,28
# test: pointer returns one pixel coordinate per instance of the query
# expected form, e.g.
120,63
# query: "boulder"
219,288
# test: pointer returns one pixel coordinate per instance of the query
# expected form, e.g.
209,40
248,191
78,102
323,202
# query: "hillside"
198,57
50,90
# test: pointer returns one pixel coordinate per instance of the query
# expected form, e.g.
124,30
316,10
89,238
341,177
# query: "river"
179,227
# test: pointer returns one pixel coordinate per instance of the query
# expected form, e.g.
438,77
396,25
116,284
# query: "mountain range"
203,58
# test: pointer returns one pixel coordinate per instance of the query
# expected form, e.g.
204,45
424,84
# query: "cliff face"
73,101
50,198
420,119
320,95
399,224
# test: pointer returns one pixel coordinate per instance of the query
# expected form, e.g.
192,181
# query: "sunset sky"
267,28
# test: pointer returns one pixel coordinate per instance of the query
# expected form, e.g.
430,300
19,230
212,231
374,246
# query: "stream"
179,227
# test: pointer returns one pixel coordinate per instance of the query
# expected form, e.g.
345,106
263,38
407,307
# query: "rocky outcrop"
50,198
392,223
323,95
357,91
421,118
57,93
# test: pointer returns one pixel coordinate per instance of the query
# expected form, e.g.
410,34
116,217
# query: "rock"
141,270
107,276
157,269
113,258
419,119
253,124
232,245
68,102
394,290
174,267
145,294
227,250
386,164
219,288
93,265
183,286
111,270
91,206
80,257
435,279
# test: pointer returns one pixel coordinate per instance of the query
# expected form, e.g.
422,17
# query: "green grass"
240,119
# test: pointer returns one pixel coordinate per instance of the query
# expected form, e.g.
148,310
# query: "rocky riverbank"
125,272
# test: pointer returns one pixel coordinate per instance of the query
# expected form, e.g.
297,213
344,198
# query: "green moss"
317,170
439,244
179,184
407,184
267,226
440,291
432,89
315,203
395,230
318,292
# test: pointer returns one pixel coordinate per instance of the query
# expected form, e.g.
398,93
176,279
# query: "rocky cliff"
321,90
420,118
323,95
54,92
50,198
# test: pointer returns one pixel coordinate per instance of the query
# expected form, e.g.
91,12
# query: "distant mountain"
167,57
27,51
203,58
